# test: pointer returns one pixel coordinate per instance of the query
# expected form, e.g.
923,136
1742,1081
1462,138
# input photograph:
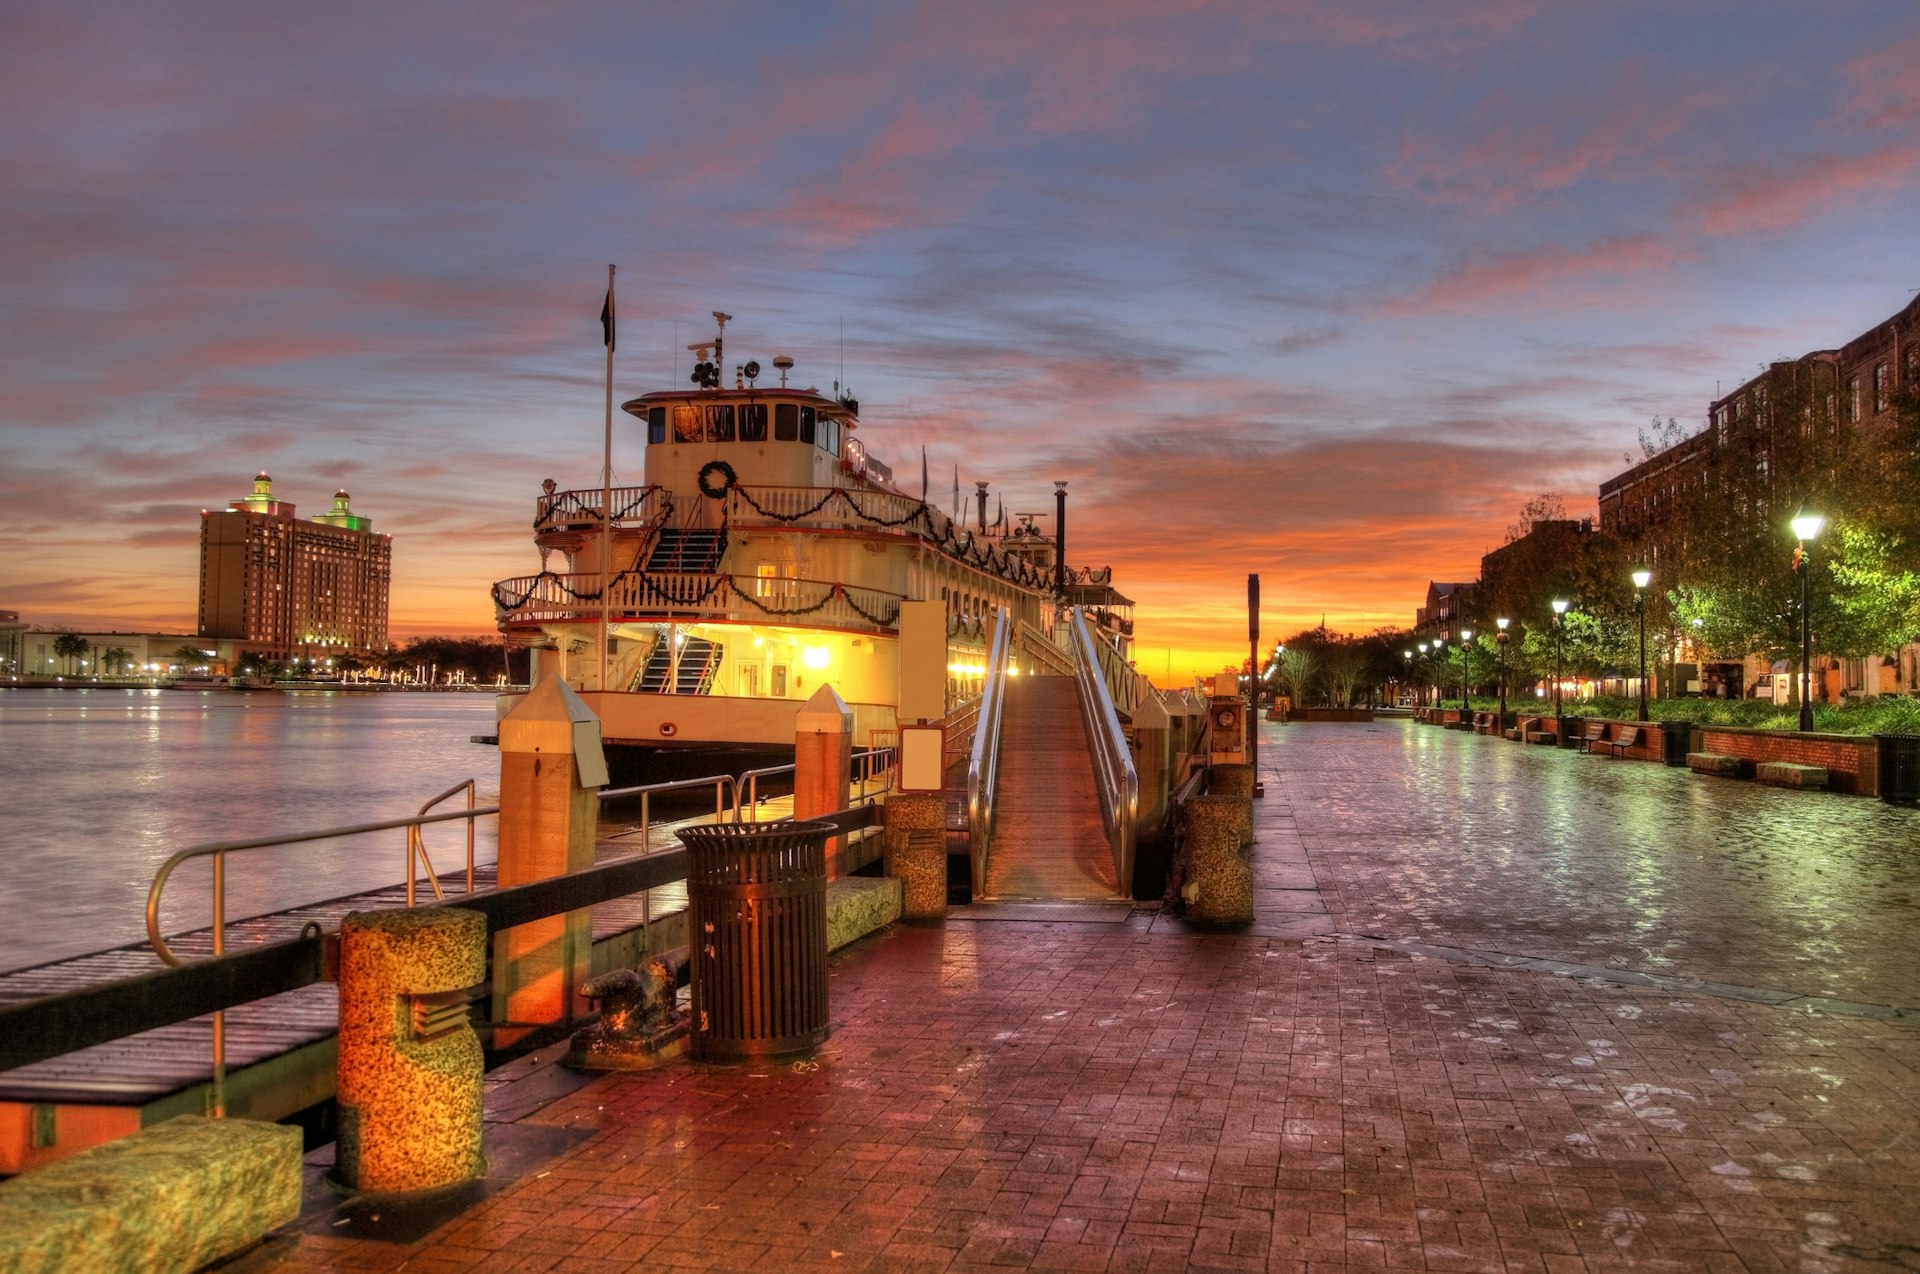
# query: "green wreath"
728,476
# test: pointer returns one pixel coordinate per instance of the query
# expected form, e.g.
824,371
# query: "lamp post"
1466,636
1559,616
1500,640
1806,528
1641,577
1409,658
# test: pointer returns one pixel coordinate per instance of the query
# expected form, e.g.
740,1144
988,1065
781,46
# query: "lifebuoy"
727,478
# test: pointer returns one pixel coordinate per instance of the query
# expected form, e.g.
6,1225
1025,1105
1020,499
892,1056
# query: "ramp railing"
983,765
1113,771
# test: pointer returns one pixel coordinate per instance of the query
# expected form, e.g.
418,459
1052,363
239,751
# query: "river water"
99,786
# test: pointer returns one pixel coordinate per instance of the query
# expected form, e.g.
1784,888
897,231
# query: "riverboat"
197,681
769,552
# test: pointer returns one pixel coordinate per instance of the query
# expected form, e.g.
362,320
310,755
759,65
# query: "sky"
1319,291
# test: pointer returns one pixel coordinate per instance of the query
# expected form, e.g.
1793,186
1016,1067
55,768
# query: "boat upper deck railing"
800,508
580,510
552,597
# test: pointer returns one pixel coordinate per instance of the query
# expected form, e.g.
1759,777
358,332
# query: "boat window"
806,424
786,422
720,423
689,423
656,424
830,436
753,422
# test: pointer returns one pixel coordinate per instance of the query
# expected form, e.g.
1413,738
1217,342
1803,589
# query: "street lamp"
1560,605
1641,577
1806,528
1466,635
1500,640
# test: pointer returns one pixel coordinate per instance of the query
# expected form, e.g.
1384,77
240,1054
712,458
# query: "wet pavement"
1505,1008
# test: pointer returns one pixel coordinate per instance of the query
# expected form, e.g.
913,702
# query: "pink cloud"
1530,274
1770,198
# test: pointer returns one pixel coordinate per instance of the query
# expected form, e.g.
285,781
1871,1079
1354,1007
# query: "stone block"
1812,778
173,1197
860,905
1714,763
1230,780
1219,883
916,852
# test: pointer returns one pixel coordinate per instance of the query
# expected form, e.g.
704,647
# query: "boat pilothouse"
769,553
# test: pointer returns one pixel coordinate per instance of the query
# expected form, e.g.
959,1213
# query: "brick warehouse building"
283,588
1788,405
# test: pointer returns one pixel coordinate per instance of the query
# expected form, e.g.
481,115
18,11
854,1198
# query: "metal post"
1463,678
1253,680
1806,641
1640,601
1556,666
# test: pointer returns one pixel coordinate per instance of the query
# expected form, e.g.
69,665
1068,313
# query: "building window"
1879,387
1853,399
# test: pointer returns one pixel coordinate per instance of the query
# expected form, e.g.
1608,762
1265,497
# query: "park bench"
1626,738
1595,732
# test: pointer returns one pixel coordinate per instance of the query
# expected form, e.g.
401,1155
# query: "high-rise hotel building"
285,588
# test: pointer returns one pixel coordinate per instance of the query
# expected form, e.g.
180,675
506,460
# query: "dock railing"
219,850
983,764
1113,770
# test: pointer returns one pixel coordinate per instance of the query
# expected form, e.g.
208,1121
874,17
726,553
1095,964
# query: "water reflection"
102,785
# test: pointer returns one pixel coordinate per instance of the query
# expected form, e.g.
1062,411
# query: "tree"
1657,437
71,646
115,660
189,656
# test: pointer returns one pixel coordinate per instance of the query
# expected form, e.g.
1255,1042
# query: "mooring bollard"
1219,882
550,765
408,1079
916,851
822,761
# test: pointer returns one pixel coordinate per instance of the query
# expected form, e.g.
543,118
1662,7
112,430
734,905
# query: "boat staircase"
687,550
690,674
1050,790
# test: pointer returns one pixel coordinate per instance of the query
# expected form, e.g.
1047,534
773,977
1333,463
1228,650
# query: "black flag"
606,319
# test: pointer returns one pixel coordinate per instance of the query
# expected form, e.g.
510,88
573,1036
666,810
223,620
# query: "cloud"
1545,275
1770,198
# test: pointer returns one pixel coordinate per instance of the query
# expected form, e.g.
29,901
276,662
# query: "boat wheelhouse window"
753,422
720,423
806,424
786,422
656,424
830,435
689,423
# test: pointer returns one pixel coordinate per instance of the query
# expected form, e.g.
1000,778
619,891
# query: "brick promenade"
1506,1008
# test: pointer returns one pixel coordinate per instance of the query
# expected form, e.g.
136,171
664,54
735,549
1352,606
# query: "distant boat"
241,681
198,681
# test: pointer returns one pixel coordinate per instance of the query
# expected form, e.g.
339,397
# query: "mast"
606,497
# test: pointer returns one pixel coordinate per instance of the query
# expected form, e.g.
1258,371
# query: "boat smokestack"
980,490
1060,538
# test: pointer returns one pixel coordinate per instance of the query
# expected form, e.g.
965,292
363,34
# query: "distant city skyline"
1320,291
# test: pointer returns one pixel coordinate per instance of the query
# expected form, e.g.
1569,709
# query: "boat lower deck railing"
555,597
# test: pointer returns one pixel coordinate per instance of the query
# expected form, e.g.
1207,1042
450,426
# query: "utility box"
1227,730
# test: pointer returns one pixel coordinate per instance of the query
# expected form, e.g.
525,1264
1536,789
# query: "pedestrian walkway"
1505,1009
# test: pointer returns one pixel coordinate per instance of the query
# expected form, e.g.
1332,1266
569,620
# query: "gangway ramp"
1049,840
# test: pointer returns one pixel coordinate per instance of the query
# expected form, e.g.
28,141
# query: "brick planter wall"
1850,760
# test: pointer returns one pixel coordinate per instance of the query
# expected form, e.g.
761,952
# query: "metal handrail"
417,844
983,765
1113,769
219,850
723,785
868,765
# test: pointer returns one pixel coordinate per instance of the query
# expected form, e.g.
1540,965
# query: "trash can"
757,929
1569,736
1899,774
1676,738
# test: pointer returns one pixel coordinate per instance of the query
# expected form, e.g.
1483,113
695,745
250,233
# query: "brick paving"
1321,1092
